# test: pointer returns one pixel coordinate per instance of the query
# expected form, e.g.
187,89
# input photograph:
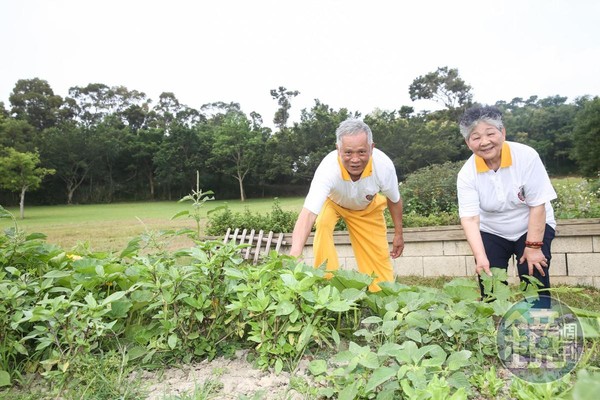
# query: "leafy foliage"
278,220
431,190
86,320
587,137
577,198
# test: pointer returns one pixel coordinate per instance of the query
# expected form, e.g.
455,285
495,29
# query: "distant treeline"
108,144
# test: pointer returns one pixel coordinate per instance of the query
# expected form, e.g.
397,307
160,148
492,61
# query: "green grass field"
109,227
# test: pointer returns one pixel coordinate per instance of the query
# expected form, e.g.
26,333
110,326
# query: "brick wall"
437,251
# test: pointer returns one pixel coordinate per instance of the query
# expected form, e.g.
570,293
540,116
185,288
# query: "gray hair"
352,127
474,115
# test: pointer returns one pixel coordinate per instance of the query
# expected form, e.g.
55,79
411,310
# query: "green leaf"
380,376
13,271
458,360
587,385
462,289
389,349
417,319
343,279
119,309
172,341
338,306
4,378
278,366
234,273
286,307
132,248
113,297
317,367
304,338
100,270
57,274
20,348
352,295
349,392
336,337
136,352
414,335
437,354
180,213
343,356
372,320
369,360
35,235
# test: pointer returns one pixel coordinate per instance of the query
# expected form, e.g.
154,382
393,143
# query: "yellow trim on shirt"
505,160
368,171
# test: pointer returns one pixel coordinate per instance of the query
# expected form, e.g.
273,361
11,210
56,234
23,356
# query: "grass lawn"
109,227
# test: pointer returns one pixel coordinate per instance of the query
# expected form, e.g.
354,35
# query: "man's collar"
368,171
505,159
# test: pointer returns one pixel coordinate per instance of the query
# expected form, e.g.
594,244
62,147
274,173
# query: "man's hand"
397,246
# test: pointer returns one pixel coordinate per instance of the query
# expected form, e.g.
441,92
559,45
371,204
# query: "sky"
361,55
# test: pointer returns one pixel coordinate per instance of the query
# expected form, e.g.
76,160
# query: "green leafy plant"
576,199
431,190
198,198
278,220
488,383
84,321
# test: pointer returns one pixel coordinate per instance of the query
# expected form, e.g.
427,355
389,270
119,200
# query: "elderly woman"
504,195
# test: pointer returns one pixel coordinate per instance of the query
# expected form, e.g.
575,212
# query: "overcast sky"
361,55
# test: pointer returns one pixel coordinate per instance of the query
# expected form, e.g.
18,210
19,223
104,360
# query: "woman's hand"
535,259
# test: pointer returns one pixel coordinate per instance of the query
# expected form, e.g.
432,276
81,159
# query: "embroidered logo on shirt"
521,194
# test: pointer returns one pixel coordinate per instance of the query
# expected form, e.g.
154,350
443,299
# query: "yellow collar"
368,171
505,159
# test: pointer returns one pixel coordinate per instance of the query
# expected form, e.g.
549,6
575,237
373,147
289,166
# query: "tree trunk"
22,202
151,182
242,193
70,196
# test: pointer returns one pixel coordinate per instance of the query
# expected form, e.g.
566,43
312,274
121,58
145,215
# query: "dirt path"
224,379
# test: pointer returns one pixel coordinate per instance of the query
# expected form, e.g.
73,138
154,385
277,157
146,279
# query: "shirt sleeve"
389,186
468,197
538,187
320,188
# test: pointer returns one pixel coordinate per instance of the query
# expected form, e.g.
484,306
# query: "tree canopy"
116,144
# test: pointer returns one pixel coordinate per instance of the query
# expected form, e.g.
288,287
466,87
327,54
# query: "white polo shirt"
502,198
332,180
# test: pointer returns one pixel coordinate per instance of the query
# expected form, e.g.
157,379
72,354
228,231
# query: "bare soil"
222,379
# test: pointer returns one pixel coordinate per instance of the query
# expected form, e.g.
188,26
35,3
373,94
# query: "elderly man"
351,183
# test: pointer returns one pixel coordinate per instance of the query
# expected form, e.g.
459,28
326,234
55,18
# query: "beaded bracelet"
534,245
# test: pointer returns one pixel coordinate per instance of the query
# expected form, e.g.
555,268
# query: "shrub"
278,220
577,198
431,190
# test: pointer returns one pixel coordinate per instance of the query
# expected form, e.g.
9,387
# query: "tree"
237,149
283,96
546,125
170,111
95,102
443,86
141,147
70,152
587,137
180,153
34,101
18,134
20,172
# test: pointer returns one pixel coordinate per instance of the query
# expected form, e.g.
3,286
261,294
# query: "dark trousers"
500,250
